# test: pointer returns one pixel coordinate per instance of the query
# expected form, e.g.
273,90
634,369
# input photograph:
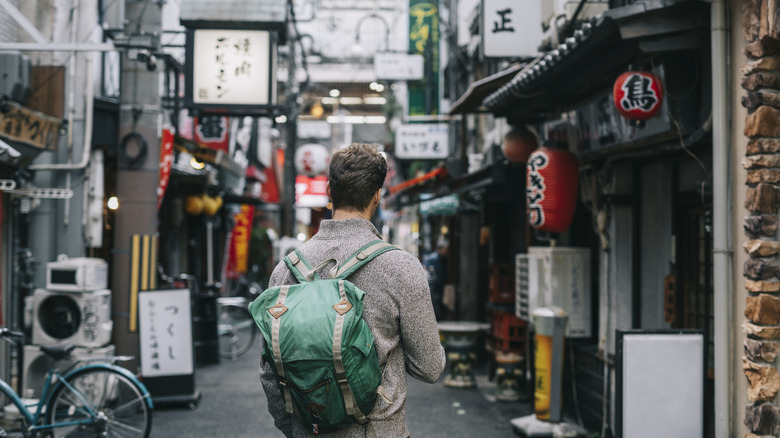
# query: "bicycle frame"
54,379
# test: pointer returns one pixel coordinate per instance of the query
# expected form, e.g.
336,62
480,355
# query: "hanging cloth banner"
166,162
238,256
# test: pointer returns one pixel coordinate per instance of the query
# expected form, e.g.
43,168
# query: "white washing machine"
79,318
36,364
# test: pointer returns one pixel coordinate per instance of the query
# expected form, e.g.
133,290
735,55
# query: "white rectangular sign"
398,66
231,67
165,323
422,141
511,28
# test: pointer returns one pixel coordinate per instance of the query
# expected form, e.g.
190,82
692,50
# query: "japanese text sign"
232,67
422,141
398,66
166,332
511,28
29,127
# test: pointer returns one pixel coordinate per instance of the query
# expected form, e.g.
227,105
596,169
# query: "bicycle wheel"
121,407
236,331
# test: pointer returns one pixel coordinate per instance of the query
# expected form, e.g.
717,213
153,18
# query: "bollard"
550,323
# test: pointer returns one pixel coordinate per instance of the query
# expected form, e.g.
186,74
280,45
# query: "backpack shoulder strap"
361,257
302,269
299,266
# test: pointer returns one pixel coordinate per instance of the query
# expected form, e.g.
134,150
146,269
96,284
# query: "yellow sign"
29,127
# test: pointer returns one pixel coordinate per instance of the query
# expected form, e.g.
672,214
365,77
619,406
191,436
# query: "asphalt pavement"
232,405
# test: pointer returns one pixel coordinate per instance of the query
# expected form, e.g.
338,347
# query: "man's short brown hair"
356,173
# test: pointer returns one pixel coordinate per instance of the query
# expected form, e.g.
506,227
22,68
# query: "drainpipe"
722,254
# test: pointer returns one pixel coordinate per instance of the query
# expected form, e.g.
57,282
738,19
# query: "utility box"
557,276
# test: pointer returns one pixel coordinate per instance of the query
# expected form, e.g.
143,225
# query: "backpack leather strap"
277,350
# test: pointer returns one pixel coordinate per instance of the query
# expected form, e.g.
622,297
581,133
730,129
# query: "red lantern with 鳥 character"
551,189
638,95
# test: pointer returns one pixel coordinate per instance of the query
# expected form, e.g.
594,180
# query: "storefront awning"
592,58
471,100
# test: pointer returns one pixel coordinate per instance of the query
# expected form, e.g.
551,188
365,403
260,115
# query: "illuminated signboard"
231,71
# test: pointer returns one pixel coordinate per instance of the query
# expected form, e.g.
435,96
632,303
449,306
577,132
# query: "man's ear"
327,191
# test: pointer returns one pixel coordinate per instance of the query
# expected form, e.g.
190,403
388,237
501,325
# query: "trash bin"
550,323
205,338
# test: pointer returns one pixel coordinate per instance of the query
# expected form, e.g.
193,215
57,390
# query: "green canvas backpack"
318,345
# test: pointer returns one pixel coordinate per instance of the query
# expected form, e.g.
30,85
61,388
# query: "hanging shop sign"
238,256
212,131
166,162
29,127
311,192
422,141
398,66
232,71
638,95
551,189
511,29
443,206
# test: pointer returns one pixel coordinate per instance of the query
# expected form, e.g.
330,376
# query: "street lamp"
378,17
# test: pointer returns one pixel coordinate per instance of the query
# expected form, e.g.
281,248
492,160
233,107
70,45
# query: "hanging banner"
212,131
166,162
238,255
424,40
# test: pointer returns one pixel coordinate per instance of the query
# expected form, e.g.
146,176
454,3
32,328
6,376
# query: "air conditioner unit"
558,276
36,364
15,76
79,318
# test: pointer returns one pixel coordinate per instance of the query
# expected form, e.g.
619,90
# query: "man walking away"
397,301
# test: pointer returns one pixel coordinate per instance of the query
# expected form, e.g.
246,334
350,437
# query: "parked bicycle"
235,325
87,399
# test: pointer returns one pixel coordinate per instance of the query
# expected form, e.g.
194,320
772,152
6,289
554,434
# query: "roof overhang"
591,59
471,100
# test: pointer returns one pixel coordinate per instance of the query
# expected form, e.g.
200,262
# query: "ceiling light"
334,93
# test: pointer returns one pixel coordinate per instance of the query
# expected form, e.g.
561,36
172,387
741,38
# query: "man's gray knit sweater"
399,312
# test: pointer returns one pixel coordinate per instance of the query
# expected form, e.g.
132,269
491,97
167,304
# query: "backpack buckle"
361,255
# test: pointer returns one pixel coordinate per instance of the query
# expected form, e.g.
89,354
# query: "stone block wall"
760,78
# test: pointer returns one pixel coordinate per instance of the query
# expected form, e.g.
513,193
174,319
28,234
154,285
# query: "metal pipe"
722,251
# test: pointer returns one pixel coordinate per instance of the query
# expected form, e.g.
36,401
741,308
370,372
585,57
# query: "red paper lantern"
638,95
551,189
518,145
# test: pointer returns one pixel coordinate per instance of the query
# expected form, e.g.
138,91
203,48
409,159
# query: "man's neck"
340,215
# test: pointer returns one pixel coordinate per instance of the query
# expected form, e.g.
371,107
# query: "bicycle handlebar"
8,333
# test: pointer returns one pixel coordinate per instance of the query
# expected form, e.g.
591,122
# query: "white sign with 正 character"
231,67
422,141
512,28
165,325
